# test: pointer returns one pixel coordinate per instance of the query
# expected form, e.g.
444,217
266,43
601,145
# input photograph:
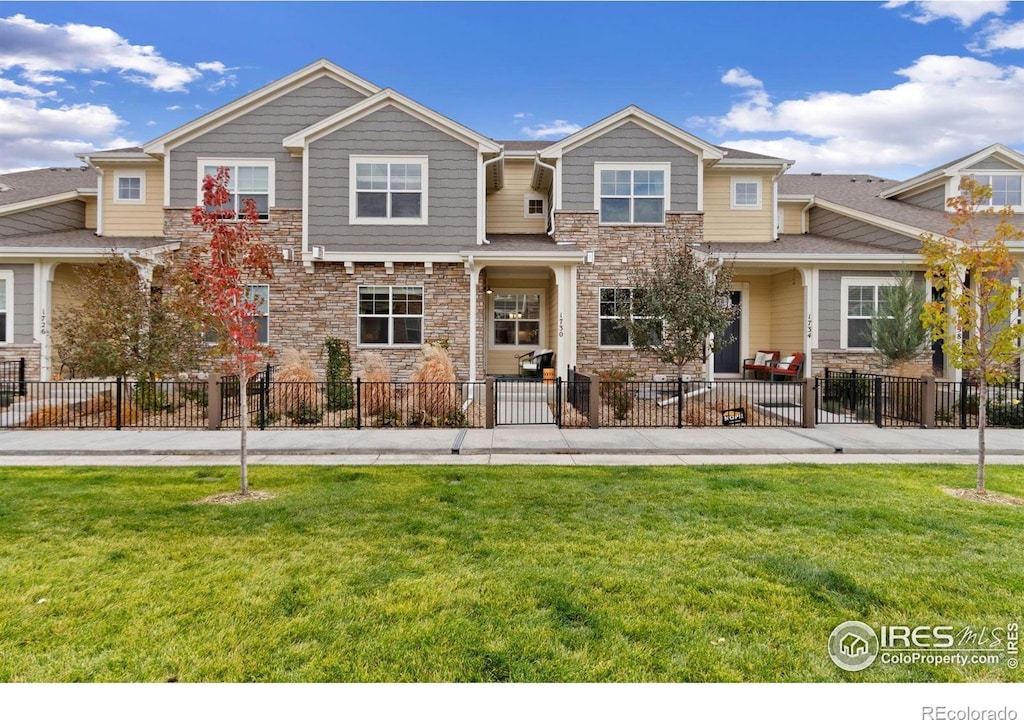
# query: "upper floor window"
632,194
246,179
390,315
6,300
862,297
534,206
388,190
746,193
1006,189
129,188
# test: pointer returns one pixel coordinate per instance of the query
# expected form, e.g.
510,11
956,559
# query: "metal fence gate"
522,401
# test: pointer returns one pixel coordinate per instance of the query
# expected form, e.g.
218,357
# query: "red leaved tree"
213,284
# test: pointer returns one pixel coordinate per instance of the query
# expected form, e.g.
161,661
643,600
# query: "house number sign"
810,326
561,325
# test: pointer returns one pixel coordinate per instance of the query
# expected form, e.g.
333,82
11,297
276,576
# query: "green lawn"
493,573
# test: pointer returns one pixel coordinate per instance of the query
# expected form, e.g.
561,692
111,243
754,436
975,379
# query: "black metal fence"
956,404
852,398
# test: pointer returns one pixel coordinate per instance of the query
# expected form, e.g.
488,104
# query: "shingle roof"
525,144
534,242
36,184
734,154
860,192
794,244
71,240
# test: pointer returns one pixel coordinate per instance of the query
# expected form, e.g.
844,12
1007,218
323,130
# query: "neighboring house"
399,226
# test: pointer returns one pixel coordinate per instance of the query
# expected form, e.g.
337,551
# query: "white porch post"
809,277
565,323
42,314
474,284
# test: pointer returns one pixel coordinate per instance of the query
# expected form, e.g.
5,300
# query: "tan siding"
787,321
722,223
758,307
505,207
90,212
791,214
134,220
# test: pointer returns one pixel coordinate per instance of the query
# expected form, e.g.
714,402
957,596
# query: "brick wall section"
640,245
305,309
31,353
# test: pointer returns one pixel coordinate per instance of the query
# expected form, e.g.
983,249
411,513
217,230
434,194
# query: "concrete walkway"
511,445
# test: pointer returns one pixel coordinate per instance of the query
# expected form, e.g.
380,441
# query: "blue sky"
888,88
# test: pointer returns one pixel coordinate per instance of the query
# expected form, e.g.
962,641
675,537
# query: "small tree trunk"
243,406
982,418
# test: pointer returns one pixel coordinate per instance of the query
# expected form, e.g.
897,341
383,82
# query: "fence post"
558,403
878,400
214,404
22,389
809,402
927,401
679,402
595,401
264,397
852,399
489,408
963,403
359,404
117,402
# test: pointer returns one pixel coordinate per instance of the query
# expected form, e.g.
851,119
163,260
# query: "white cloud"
946,106
36,136
41,49
556,129
216,66
151,123
174,107
999,36
13,88
964,12
738,77
225,81
522,115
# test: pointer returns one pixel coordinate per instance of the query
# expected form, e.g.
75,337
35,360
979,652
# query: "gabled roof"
296,142
36,188
268,93
130,154
641,117
954,167
81,242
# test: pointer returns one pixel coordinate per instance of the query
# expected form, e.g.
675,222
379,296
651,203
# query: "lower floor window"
516,319
617,304
260,295
390,315
6,289
862,301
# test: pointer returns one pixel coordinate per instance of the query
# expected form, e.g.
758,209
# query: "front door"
727,359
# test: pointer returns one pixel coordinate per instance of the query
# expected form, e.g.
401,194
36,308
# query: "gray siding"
258,134
451,186
830,301
22,302
629,143
65,216
991,164
934,199
830,224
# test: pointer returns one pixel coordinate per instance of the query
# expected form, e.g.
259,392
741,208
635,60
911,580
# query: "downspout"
99,199
775,201
482,240
551,212
805,226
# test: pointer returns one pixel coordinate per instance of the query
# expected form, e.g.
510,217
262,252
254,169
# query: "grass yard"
679,574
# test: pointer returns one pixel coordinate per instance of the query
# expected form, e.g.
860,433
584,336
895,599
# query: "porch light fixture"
589,257
487,289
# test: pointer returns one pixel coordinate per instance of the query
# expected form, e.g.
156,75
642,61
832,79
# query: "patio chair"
760,362
532,364
791,366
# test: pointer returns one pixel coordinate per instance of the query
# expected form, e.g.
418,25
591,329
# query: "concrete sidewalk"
511,445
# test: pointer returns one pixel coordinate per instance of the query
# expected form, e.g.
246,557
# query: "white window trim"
664,167
542,320
209,341
8,277
420,160
118,200
990,173
202,162
526,206
844,305
391,316
600,317
734,181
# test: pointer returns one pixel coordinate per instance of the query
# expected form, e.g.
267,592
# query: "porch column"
474,284
565,322
809,276
42,314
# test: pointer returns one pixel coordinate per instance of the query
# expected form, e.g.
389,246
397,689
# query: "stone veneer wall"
305,309
30,351
869,362
610,243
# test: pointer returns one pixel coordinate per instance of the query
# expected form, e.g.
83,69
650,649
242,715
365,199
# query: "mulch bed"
988,497
236,497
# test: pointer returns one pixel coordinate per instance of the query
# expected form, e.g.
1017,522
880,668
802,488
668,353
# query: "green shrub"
197,394
340,394
616,393
6,398
1006,414
307,414
149,397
